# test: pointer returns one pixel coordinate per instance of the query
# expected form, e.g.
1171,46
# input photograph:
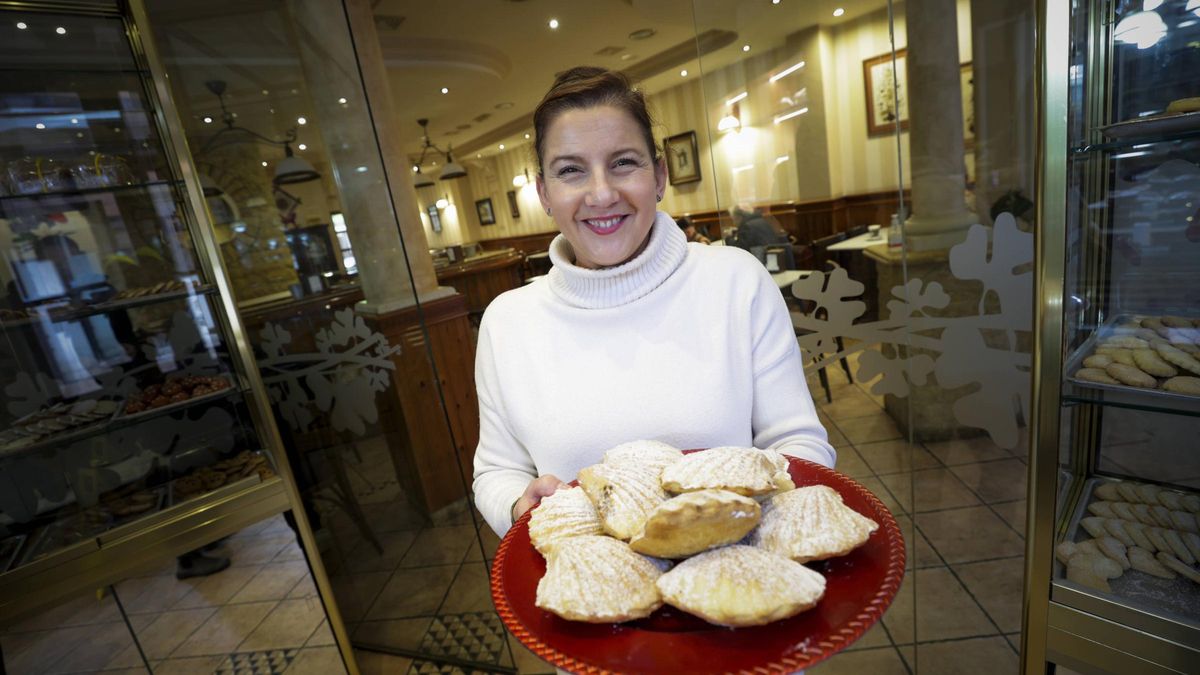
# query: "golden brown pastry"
782,476
1107,491
1093,569
1102,509
598,579
1150,362
652,453
1113,549
1172,563
1124,342
624,495
746,471
1178,357
811,523
1095,375
695,522
741,586
1183,384
1143,561
566,513
1117,354
1130,375
1097,361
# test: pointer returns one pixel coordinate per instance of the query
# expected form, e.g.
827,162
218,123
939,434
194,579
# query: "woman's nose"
600,191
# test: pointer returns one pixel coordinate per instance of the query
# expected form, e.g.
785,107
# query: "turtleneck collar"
616,286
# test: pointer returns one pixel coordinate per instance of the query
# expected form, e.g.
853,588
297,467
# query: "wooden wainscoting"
524,244
809,221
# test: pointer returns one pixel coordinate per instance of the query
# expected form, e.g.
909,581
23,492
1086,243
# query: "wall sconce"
442,203
732,121
522,179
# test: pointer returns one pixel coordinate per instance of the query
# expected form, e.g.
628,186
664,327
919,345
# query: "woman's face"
601,183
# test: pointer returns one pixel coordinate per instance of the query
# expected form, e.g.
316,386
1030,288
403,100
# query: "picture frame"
886,105
967,81
683,158
483,207
512,205
435,218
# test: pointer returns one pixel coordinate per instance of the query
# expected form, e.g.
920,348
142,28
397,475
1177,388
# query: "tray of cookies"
1154,356
202,480
57,423
1137,541
173,393
722,560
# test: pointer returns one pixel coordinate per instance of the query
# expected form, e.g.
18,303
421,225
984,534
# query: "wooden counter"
481,278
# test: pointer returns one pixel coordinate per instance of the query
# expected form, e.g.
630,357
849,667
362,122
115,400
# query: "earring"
658,198
547,210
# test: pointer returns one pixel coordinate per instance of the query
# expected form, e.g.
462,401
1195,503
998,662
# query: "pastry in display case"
123,398
1120,384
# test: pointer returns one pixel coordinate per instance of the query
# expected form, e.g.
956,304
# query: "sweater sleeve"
503,467
784,417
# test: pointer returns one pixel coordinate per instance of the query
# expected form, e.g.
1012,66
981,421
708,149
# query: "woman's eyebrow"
579,159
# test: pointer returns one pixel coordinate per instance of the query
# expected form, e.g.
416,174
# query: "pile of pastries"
55,419
171,286
208,478
174,390
1135,526
1148,352
720,534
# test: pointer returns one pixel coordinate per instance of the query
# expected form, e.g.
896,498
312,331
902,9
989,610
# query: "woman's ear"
660,176
541,190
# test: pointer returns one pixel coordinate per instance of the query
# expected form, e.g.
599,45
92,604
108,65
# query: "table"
860,242
786,278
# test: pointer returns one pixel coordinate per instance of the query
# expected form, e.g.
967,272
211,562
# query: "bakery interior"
248,245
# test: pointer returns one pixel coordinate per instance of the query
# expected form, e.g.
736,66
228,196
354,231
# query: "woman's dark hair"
683,222
588,87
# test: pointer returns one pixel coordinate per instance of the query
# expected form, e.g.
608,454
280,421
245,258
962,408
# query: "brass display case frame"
118,553
1063,623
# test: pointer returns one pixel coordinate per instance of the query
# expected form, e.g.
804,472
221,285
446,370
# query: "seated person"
755,233
689,230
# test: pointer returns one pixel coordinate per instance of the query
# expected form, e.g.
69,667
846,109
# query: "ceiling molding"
408,52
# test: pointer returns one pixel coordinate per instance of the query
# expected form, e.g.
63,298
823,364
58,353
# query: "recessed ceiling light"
266,92
39,125
302,146
839,11
786,71
21,25
60,30
626,56
264,162
504,105
478,155
774,2
683,73
301,121
553,24
526,136
445,90
745,48
416,168
207,119
642,34
342,100
360,169
501,146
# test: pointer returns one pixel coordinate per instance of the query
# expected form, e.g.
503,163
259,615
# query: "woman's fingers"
542,486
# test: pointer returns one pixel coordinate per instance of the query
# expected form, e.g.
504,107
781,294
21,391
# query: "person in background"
629,321
689,230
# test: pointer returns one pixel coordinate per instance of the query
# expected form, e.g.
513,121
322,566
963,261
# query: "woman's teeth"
604,224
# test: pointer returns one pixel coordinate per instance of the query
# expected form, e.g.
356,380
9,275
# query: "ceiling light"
266,92
788,116
21,25
787,71
626,56
737,98
207,119
553,24
683,73
39,125
774,2
60,30
264,162
342,100
839,11
479,155
729,123
745,48
360,169
526,136
501,146
522,179
74,120
442,203
445,90
301,121
451,170
302,147
642,34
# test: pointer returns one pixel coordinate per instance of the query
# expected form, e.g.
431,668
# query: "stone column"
939,213
332,70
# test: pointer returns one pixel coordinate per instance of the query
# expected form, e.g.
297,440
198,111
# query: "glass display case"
1112,578
129,427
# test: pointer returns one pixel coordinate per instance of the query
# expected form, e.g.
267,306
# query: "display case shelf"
76,313
87,192
1128,143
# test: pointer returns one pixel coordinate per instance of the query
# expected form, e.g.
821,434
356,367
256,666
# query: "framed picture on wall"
886,93
683,158
484,208
967,81
435,218
512,205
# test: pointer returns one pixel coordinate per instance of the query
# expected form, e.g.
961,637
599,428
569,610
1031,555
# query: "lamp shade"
421,180
452,169
292,169
209,186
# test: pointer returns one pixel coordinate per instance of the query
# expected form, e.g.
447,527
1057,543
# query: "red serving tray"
858,589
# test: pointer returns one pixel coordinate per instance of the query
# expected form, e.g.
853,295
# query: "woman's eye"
626,161
567,170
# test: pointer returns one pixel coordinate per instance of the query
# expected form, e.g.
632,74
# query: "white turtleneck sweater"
687,344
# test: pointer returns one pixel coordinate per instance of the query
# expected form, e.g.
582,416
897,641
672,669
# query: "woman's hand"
542,486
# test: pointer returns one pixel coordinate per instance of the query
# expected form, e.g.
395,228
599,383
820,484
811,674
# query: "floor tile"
943,609
322,661
225,629
40,651
473,637
1013,513
272,582
996,584
143,595
413,592
194,665
928,490
103,643
395,633
83,610
885,661
170,629
923,554
439,546
490,543
895,456
217,589
289,624
982,656
392,516
876,636
365,558
848,403
870,429
967,450
355,593
964,535
257,551
457,513
851,463
471,591
304,588
999,481
836,438
321,637
379,663
290,552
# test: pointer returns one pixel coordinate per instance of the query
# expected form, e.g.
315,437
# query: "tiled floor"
959,503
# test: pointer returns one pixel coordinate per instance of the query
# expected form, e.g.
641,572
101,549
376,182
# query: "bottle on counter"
895,234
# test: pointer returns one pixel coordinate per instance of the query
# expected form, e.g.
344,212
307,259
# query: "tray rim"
804,654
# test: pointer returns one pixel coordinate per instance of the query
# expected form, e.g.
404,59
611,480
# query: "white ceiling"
486,52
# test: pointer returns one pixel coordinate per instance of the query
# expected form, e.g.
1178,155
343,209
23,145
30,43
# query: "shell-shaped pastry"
745,471
1142,513
1162,515
652,453
1137,532
1171,500
1175,565
1184,520
1147,494
1128,492
598,579
695,522
1190,503
811,523
1116,528
1102,509
782,476
1095,526
1192,541
1107,491
624,495
1123,511
566,513
741,586
1176,546
1115,550
1156,535
1143,561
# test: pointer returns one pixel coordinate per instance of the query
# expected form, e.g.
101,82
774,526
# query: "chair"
809,307
856,231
